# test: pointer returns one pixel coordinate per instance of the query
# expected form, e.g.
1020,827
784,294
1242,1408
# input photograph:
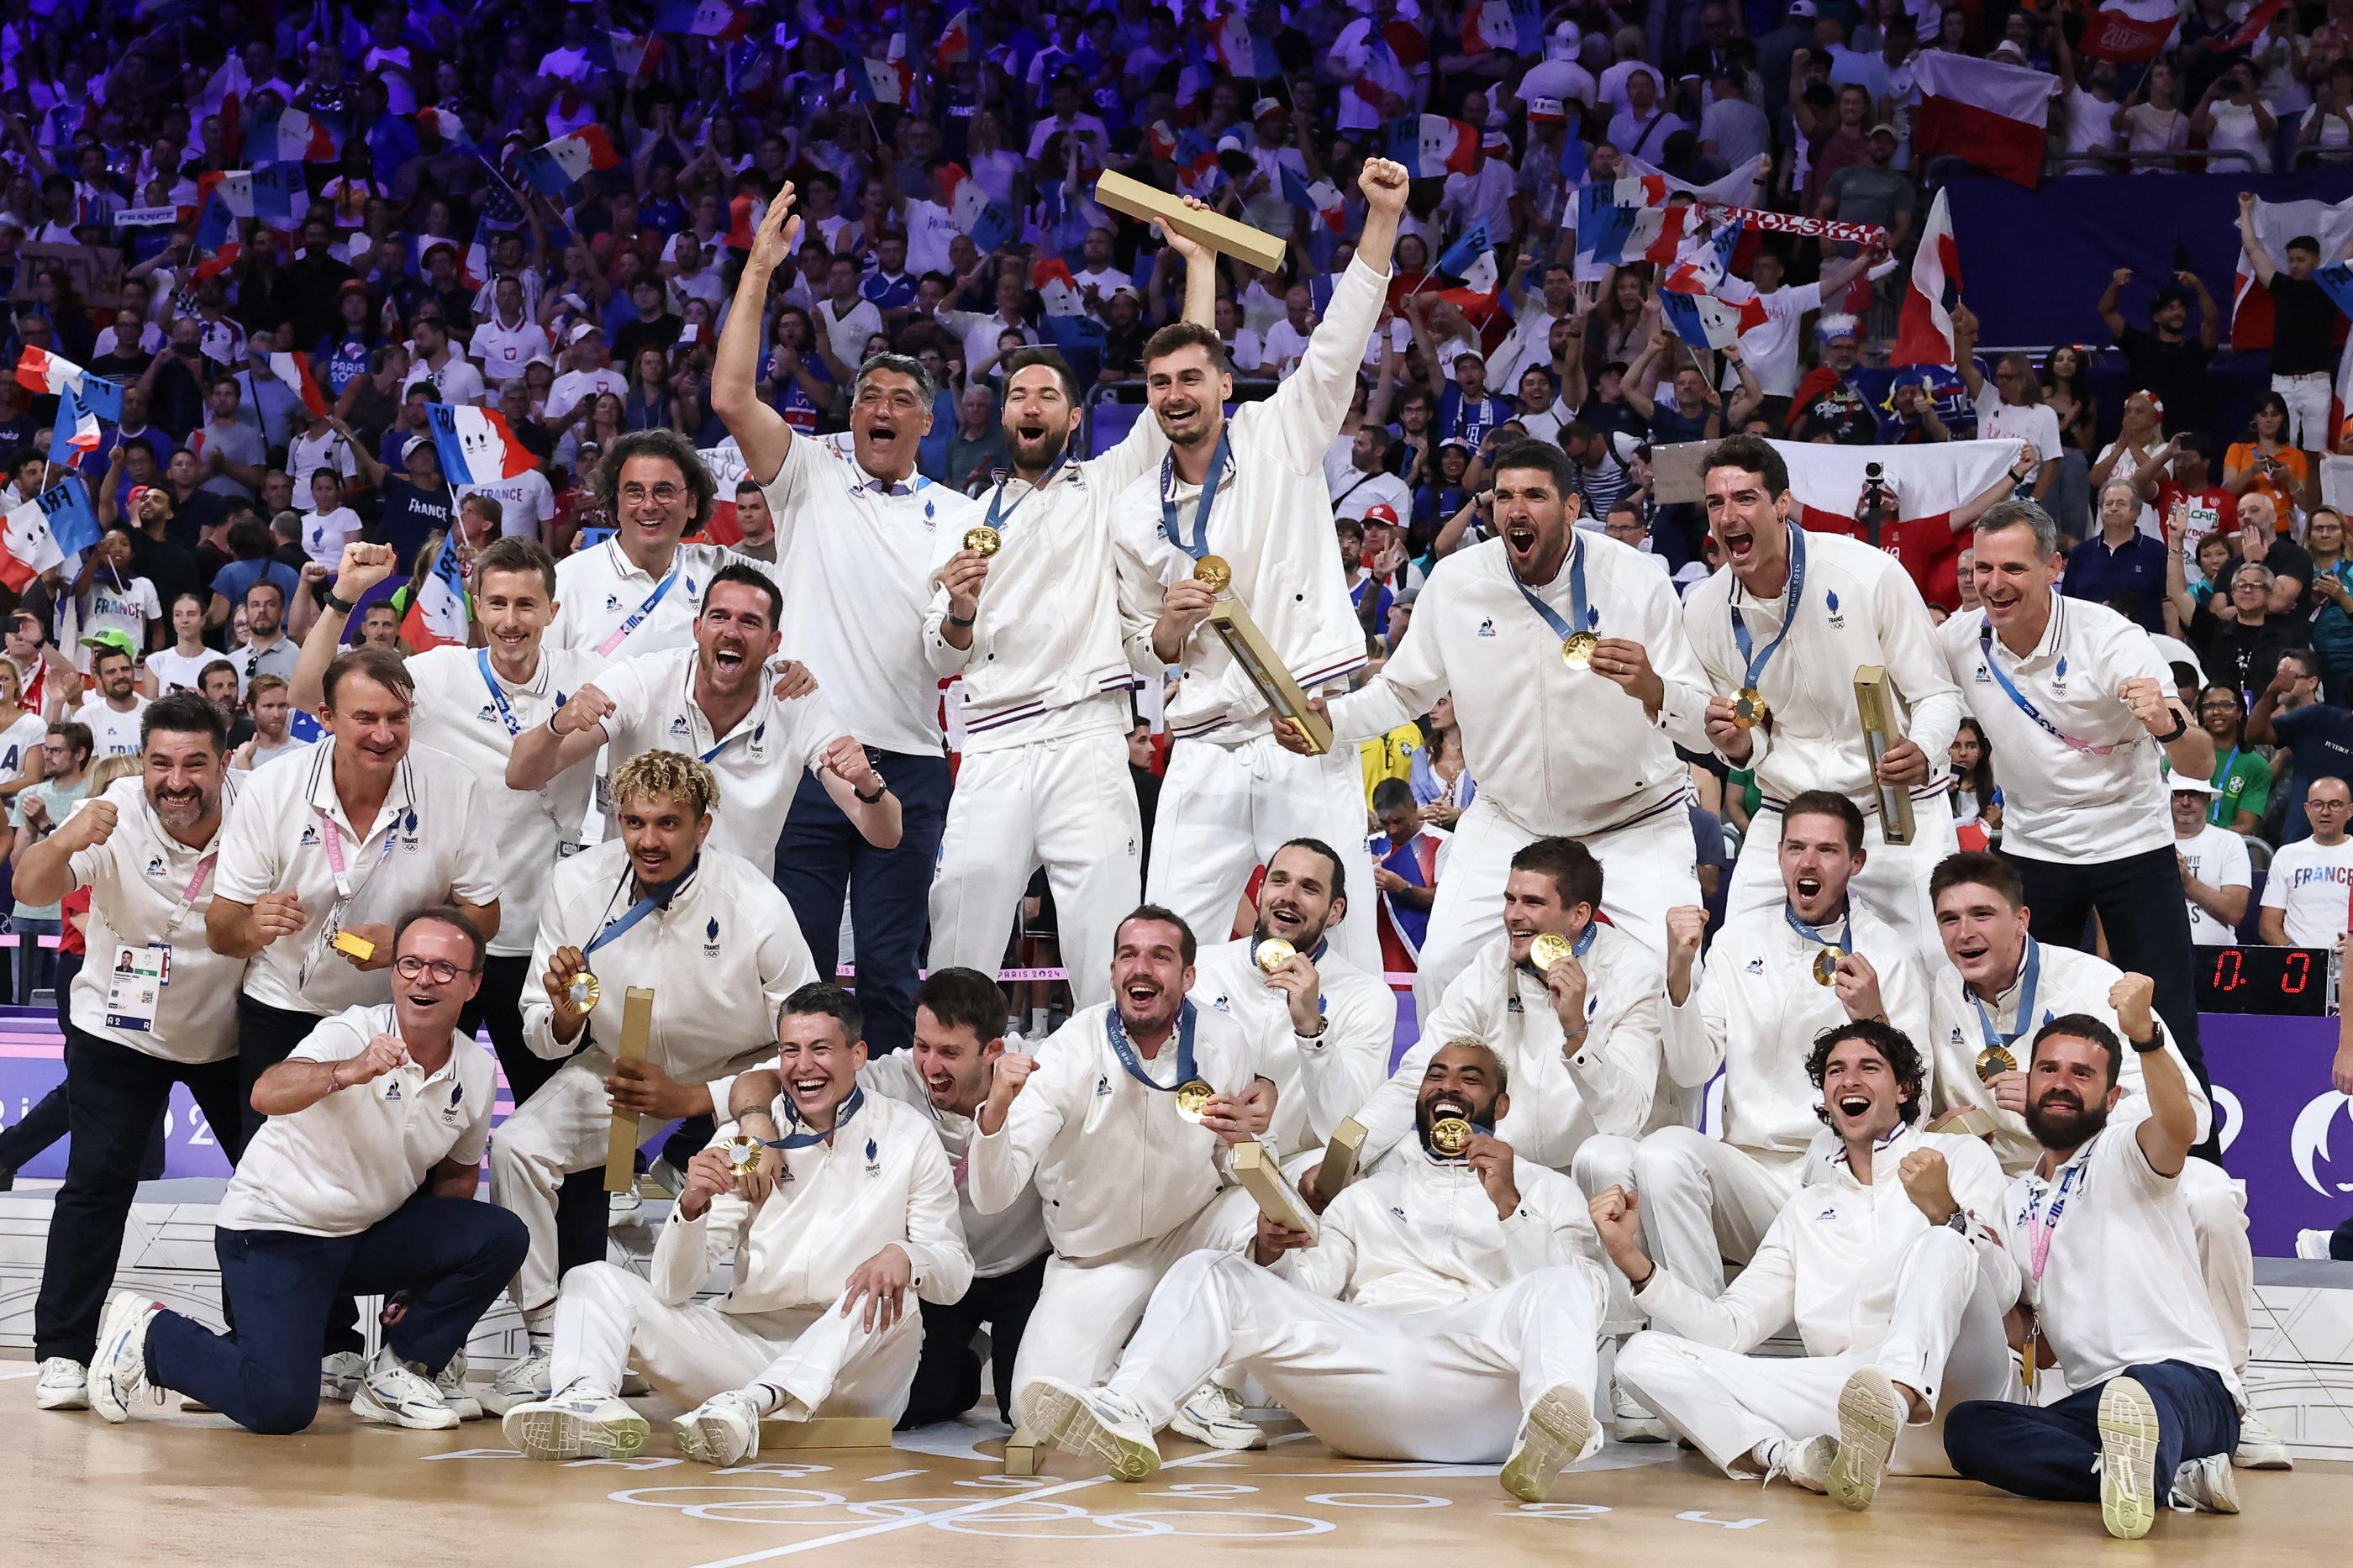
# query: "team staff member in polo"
1574,683
714,702
854,548
1231,797
1788,617
654,906
1030,622
362,1180
2078,705
146,851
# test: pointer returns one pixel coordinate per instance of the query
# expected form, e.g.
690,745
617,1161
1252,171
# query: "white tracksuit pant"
1085,1310
1646,869
1944,1340
1701,1199
1224,810
562,1129
1893,883
609,1319
1068,805
1445,1386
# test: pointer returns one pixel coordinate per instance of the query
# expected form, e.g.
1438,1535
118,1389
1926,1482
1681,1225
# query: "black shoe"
8,1177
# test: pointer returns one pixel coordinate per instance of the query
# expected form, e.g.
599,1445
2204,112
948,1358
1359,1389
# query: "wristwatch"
1958,1222
2181,728
2156,1041
340,606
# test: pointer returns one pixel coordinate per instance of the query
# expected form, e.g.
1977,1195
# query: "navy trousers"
2046,1451
450,1255
821,858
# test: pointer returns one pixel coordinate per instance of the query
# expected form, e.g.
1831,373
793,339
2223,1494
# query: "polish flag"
476,445
1930,481
1992,116
2276,223
437,613
2258,22
1924,334
2131,32
294,370
554,167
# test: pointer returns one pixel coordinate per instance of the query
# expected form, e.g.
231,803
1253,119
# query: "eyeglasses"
442,970
663,495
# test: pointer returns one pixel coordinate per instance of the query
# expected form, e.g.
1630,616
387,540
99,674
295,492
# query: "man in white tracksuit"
715,941
1326,1026
1892,1268
1231,794
1442,1312
817,1320
1998,987
1032,627
1790,617
1125,1117
1564,650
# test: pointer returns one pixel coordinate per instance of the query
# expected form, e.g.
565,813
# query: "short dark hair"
1186,946
1895,1047
1826,803
2303,242
1014,363
184,712
216,664
264,581
965,998
2082,1027
1754,454
97,659
672,447
380,664
751,578
1542,456
2305,658
76,736
1976,867
1576,874
514,553
1178,335
449,915
1331,857
822,996
1389,794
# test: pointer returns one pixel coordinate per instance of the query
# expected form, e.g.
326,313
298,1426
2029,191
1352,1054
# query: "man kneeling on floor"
360,1183
1443,1306
818,1322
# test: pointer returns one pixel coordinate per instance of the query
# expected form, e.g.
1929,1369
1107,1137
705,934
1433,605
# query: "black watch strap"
340,606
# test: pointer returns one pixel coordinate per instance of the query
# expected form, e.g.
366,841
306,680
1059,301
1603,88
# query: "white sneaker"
1633,1422
576,1426
1557,1431
2260,1448
1870,1415
724,1429
2128,1438
621,1208
521,1382
2206,1486
395,1394
118,1372
1214,1415
2313,1245
64,1386
1094,1423
449,1383
1807,1465
341,1375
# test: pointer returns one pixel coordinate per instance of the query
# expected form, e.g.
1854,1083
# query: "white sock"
1768,1454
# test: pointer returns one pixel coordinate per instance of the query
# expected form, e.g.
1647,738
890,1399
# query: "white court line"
12,1376
885,1527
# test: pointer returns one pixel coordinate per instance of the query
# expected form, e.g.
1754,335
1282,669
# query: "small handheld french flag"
293,370
1431,146
554,167
476,445
1702,320
38,370
437,613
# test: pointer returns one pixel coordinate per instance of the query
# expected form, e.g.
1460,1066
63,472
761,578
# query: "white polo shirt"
111,734
2311,885
429,844
758,764
148,888
461,715
1000,1242
503,351
854,562
2218,857
600,592
340,1165
2061,802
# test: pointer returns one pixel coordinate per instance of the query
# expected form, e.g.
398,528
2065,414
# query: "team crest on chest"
710,938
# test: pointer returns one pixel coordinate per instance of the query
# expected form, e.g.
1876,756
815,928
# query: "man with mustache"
1442,1313
1787,619
855,538
145,849
2101,1227
1999,984
1890,1265
1249,493
1033,629
1145,1082
654,906
1546,633
715,701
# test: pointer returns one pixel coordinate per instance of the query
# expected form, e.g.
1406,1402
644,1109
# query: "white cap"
580,331
1567,41
2188,784
1549,110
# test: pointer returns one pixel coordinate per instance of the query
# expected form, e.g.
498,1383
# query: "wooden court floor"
192,1490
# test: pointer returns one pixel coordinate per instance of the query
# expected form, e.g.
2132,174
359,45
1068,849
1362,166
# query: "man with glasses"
2305,894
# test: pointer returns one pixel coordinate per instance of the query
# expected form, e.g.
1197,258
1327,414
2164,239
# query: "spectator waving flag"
274,195
2258,22
37,528
1612,232
476,445
73,433
1240,50
990,223
1992,116
702,19
1472,259
291,136
1704,321
2131,32
1514,26
38,370
438,612
293,370
554,167
2276,223
1321,200
2337,282
881,81
1924,334
1431,146
956,41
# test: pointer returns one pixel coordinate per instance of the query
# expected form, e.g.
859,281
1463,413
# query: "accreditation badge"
135,986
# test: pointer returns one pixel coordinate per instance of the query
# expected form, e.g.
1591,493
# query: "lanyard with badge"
2009,689
1578,634
2042,1225
331,838
134,990
2221,799
506,712
636,617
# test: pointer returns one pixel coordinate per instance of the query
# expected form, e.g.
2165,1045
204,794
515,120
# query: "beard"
2061,1122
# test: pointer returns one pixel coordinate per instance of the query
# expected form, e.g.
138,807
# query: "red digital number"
2229,966
2297,974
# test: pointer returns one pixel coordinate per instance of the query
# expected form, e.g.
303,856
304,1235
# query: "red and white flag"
1992,116
1058,291
2258,22
2276,223
294,370
38,370
2131,32
27,548
1924,334
1929,480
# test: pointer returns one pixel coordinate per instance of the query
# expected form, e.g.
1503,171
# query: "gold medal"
583,992
743,1153
1993,1061
1273,954
1825,962
1192,1099
1215,571
1748,708
983,540
1450,1135
1548,949
1576,649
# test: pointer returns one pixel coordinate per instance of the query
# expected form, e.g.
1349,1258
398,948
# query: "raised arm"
2111,297
759,430
2249,240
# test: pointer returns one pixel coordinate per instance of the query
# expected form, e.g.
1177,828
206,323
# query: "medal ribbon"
1169,523
2038,1239
1000,520
619,633
1580,617
2009,689
792,1141
660,896
1186,1019
1845,943
1756,661
2031,977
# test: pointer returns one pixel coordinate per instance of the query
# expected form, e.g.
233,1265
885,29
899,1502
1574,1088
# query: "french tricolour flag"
1431,146
293,370
38,370
291,136
1924,334
1472,259
1614,233
635,58
554,167
1058,291
476,447
74,433
1513,26
703,19
438,615
29,546
881,81
990,223
1992,116
1702,320
1241,51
